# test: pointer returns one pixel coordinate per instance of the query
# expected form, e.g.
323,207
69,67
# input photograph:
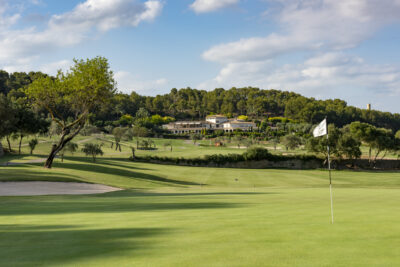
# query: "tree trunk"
53,153
369,154
63,141
9,144
20,142
1,150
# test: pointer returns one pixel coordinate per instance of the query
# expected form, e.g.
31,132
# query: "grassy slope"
169,218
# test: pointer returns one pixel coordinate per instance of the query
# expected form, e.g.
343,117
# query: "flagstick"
330,176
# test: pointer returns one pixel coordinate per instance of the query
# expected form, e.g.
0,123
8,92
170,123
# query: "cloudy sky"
322,48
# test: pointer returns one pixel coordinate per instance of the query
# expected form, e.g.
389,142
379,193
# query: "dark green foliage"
17,80
291,141
349,147
7,116
252,154
378,139
256,153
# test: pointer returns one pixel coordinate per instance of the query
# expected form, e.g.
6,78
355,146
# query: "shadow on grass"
98,168
50,206
139,193
59,244
118,162
13,156
16,174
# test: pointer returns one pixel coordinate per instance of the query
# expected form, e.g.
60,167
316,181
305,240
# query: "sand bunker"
52,188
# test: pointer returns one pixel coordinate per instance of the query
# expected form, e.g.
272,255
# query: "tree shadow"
97,168
144,193
16,174
105,161
9,157
50,206
60,244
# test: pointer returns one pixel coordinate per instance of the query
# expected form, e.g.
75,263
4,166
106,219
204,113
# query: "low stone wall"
294,164
385,164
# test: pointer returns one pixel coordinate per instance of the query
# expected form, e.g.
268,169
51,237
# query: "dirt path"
85,140
52,188
40,142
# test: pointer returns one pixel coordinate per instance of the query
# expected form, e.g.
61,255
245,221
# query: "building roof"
216,116
188,122
240,122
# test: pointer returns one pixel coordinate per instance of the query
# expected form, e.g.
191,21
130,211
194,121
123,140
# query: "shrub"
256,153
32,144
93,149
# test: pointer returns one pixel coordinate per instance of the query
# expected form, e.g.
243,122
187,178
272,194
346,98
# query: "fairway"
187,216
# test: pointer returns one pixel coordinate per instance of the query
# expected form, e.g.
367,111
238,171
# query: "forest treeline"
193,104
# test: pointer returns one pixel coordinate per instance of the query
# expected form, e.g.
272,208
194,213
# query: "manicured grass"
203,227
190,216
187,216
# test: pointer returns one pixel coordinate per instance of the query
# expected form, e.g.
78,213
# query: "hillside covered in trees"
192,104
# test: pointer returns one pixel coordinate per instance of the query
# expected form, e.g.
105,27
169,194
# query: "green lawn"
188,216
180,148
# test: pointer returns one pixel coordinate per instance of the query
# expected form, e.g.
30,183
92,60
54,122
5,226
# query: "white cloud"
323,28
26,65
72,27
323,76
105,15
6,21
312,25
53,67
204,6
127,82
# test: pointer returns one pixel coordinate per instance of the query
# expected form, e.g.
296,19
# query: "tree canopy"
71,96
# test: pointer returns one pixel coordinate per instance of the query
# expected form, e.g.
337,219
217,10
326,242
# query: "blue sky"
320,48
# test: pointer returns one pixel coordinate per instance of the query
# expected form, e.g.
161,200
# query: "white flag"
321,129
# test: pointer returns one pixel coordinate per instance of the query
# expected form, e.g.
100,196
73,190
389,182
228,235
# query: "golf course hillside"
190,216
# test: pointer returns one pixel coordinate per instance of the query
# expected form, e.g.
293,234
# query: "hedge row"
252,154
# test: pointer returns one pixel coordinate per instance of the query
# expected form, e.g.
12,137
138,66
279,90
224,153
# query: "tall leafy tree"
74,94
7,119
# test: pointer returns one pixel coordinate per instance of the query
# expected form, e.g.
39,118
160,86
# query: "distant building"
233,125
212,122
368,106
182,127
216,119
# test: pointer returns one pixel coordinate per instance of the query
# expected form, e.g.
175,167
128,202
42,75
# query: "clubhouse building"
212,123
